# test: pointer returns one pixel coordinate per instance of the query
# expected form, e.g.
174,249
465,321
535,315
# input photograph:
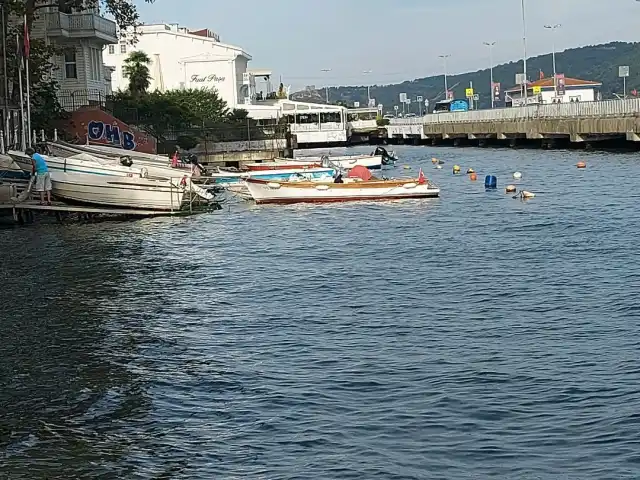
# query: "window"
112,49
95,64
70,66
123,48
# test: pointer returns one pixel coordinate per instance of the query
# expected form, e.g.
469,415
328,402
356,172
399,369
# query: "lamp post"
326,88
490,45
367,72
553,54
446,86
524,46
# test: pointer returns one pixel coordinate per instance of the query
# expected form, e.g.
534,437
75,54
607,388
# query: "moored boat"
228,178
353,189
121,192
346,162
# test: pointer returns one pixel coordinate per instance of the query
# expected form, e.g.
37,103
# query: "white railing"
608,108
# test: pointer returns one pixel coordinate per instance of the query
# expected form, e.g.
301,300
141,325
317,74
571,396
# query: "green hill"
595,62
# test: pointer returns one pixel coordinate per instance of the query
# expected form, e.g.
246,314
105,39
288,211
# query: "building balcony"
81,25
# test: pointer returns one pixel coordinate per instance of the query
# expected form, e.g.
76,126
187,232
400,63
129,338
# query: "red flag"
541,74
634,92
421,179
27,43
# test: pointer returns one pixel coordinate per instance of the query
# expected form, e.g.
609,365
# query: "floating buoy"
407,167
490,182
473,177
470,170
439,167
456,169
510,189
581,165
434,160
526,194
517,175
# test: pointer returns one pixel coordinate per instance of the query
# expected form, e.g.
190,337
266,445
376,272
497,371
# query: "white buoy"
517,175
526,194
439,167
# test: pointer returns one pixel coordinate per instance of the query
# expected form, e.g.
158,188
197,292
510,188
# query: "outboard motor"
126,161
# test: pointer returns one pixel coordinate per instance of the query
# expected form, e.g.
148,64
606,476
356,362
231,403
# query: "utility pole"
326,88
446,86
524,44
490,45
553,55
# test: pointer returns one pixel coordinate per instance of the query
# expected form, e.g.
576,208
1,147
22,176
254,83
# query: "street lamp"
524,45
367,72
446,87
553,54
326,88
490,45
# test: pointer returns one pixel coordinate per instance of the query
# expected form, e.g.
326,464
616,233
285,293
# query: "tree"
201,107
136,69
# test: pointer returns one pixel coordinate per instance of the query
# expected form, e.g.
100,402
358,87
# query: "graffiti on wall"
97,126
97,130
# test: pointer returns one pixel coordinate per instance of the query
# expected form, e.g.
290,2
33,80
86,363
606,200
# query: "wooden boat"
264,191
123,192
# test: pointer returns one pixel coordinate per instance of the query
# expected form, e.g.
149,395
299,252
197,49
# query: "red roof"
568,82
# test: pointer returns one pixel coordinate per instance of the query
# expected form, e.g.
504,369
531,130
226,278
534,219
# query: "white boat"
345,162
63,149
229,178
121,192
264,191
87,164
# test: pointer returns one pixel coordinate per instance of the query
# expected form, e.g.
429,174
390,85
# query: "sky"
394,40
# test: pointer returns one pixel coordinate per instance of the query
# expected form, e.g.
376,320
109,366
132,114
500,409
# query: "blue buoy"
490,182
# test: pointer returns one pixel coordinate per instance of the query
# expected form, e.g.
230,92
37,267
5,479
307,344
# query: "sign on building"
623,71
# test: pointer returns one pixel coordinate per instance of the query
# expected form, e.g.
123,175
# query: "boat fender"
144,173
273,185
409,185
510,189
322,187
517,175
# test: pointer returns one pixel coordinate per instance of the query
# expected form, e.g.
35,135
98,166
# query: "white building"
544,91
80,71
183,58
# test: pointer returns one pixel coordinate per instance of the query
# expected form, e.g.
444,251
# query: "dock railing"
607,108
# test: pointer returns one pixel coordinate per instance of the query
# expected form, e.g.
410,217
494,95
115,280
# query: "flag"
541,74
634,92
19,53
421,179
27,42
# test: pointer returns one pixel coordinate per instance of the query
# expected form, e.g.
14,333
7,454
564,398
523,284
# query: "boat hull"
121,192
314,192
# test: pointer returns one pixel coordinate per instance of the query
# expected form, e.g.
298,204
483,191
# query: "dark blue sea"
474,336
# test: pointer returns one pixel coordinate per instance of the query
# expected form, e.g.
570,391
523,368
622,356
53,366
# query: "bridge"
549,125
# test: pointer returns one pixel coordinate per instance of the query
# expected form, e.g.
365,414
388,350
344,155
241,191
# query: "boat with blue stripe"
229,178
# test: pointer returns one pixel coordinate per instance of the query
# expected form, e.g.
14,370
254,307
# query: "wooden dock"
24,212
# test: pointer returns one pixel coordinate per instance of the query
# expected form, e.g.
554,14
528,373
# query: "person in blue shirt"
43,177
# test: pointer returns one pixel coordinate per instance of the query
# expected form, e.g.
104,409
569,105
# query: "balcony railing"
81,25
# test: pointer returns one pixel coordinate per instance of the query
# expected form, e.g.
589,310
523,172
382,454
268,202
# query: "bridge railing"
607,108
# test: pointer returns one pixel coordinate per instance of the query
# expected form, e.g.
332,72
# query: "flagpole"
27,55
5,117
22,118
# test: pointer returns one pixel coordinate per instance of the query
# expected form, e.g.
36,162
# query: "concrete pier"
546,125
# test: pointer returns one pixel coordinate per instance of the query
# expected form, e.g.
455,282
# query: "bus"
451,106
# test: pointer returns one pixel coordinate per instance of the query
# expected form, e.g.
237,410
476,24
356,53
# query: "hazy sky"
396,39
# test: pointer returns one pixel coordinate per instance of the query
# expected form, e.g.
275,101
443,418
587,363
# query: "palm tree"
136,69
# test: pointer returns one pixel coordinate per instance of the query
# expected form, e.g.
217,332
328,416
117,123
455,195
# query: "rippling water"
473,336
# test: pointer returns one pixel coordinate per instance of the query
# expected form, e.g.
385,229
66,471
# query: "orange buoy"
473,177
581,165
